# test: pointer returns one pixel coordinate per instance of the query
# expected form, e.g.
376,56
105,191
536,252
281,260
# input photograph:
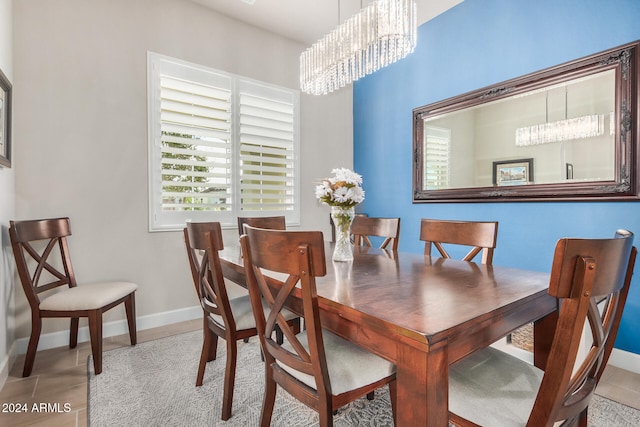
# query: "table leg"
423,386
543,331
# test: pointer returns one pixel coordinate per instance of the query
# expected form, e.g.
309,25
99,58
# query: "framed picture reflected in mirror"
513,172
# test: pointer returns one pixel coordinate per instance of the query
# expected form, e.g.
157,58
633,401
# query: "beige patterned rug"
153,384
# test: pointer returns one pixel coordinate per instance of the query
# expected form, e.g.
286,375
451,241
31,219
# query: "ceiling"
307,21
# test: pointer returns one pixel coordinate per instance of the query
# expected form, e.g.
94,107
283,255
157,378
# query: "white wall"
7,206
80,96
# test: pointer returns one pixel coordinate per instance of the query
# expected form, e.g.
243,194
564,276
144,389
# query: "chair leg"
130,309
325,413
212,345
73,332
95,332
582,418
295,327
371,395
269,399
30,357
393,387
279,335
208,353
229,378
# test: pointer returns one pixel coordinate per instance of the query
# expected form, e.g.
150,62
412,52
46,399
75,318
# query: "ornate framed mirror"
568,132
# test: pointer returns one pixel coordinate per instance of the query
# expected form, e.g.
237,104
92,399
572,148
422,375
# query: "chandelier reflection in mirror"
561,130
575,128
379,35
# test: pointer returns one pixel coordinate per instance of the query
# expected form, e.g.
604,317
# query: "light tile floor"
60,376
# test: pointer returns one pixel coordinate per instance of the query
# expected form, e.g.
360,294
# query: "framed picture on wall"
5,121
513,172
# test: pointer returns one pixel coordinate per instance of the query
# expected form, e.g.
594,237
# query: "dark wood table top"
428,298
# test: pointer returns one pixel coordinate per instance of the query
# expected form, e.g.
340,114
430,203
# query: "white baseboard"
625,360
4,371
109,329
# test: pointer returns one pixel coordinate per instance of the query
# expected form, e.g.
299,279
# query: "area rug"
153,384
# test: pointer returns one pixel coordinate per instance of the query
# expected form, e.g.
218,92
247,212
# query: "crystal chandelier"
379,35
561,130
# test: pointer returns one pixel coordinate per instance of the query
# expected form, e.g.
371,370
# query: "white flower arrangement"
344,189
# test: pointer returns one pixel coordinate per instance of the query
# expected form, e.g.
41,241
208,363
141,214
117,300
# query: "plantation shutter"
267,144
436,159
220,145
196,148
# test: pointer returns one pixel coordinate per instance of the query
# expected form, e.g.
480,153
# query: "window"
436,159
220,146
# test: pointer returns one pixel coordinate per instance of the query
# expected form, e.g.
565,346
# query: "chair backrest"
480,235
203,241
46,265
269,222
364,226
591,278
300,255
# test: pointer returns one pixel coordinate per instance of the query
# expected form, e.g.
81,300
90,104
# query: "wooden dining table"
423,314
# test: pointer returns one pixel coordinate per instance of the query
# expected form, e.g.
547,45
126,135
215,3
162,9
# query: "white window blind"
220,146
195,145
267,155
436,159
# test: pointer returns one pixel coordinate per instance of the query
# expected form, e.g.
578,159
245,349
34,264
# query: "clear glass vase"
342,219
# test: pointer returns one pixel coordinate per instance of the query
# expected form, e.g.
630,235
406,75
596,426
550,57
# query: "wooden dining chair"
315,366
481,236
364,227
590,278
229,319
43,261
270,222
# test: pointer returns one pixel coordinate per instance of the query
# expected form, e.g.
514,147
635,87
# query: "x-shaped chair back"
591,277
364,227
301,257
204,240
34,261
481,236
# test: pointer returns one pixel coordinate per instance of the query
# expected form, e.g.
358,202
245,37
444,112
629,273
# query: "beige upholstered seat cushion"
350,367
243,313
493,388
235,290
87,297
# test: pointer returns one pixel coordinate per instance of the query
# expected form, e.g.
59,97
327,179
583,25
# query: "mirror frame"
626,63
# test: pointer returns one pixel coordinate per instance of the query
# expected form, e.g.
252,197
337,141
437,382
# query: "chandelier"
568,129
378,35
561,130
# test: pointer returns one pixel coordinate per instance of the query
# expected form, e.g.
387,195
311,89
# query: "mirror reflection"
565,132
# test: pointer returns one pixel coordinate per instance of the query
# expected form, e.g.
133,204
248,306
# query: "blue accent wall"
475,44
